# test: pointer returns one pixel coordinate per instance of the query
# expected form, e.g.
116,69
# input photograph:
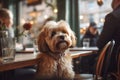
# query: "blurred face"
93,30
8,21
115,3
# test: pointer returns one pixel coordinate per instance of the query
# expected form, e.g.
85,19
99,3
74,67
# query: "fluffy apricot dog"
55,62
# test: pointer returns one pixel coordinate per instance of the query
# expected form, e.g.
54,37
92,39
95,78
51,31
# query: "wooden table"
84,49
76,54
29,59
21,60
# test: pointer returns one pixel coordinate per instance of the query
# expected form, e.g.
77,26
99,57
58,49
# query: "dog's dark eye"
53,33
64,32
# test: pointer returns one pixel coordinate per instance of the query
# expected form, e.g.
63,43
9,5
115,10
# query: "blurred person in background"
92,34
87,62
6,17
111,31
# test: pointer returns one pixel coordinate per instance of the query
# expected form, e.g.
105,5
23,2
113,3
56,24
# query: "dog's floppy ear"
42,45
73,38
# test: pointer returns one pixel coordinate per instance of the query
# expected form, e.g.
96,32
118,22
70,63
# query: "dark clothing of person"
111,31
93,38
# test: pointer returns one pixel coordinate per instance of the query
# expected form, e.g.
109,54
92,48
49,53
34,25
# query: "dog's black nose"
62,37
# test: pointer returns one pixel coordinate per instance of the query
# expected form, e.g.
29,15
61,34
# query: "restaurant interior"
77,13
34,14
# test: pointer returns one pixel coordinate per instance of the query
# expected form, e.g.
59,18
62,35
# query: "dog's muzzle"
62,45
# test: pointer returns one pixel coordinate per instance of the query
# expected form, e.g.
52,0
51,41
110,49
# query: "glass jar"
7,46
3,35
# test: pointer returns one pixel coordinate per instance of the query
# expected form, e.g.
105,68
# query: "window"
91,11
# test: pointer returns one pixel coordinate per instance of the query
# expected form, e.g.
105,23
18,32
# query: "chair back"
117,73
104,60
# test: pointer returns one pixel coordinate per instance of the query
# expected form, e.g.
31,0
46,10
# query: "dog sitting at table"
55,62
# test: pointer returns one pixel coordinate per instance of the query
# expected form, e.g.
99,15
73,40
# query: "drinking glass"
35,46
86,42
8,49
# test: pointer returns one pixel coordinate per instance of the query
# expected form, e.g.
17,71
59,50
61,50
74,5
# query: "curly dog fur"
55,62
